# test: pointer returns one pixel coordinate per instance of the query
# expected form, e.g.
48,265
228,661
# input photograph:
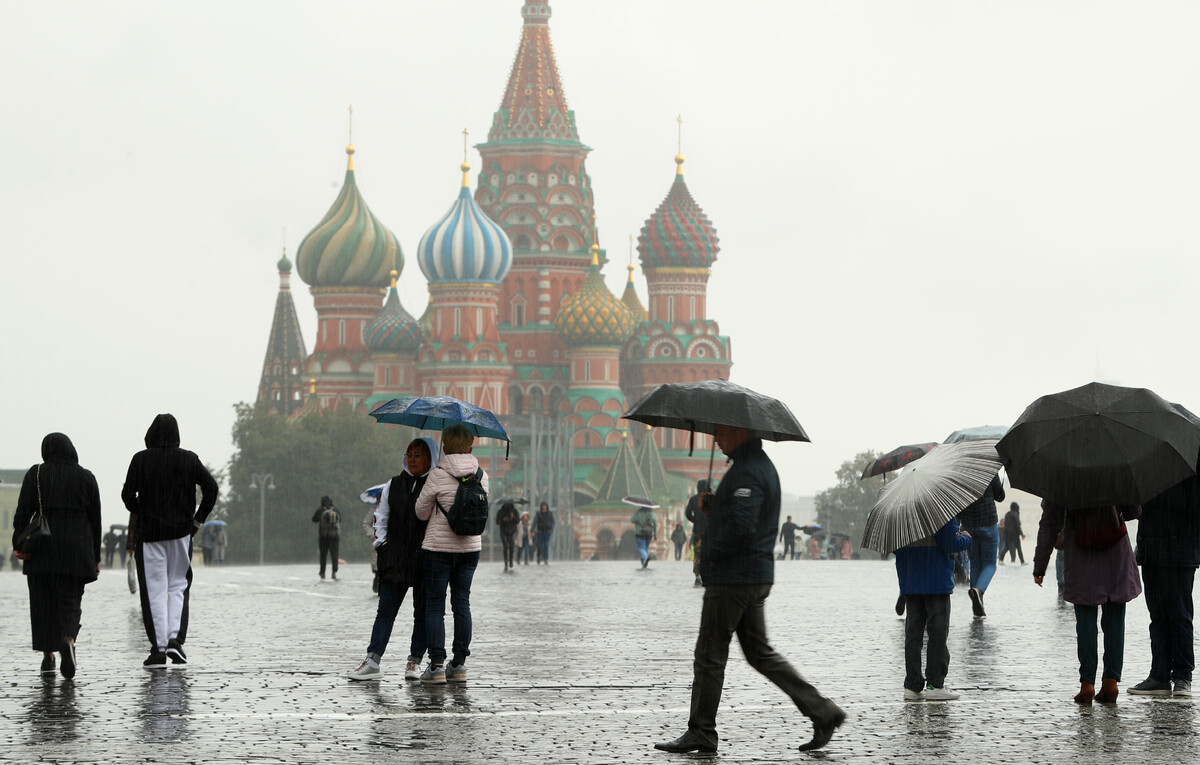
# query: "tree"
844,507
337,453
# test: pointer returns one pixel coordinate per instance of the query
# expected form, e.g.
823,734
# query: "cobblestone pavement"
576,662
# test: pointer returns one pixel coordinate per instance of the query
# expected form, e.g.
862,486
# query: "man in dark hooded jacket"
160,492
329,533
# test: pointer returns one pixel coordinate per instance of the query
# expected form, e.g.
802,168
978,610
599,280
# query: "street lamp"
262,482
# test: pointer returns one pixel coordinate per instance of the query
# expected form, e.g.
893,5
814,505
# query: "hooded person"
160,493
398,537
329,533
69,499
508,519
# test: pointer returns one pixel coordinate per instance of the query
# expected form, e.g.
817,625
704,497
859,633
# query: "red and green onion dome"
349,247
594,316
393,330
678,234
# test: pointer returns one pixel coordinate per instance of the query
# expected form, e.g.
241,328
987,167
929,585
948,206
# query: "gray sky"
930,212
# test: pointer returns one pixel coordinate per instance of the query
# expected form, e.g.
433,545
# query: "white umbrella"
929,492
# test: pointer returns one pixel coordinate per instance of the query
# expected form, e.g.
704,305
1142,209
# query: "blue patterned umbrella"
439,412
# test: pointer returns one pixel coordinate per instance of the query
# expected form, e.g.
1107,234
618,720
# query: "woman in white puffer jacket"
450,559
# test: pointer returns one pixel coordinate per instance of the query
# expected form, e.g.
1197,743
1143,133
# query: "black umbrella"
896,459
1100,445
512,501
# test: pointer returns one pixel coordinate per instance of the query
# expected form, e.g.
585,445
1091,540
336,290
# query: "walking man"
543,524
788,535
980,521
160,493
508,520
645,531
738,569
699,521
328,532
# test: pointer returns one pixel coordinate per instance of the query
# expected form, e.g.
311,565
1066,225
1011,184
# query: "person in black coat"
508,519
398,537
69,498
699,520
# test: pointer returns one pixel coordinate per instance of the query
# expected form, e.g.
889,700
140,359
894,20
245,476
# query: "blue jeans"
543,546
526,552
453,570
982,552
1168,591
391,596
643,547
1112,621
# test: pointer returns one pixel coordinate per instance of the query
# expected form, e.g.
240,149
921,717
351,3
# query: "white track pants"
165,565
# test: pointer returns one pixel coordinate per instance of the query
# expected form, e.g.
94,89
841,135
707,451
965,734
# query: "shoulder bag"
36,535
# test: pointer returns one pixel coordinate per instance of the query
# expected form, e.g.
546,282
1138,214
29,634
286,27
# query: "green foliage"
844,507
338,453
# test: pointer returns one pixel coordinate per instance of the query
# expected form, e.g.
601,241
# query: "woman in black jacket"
70,500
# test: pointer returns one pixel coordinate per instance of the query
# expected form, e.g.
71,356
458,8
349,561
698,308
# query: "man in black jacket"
160,493
738,569
699,519
398,536
329,533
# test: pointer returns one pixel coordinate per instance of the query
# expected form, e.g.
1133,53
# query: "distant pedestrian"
123,545
398,536
206,544
645,531
979,519
1013,534
523,542
739,568
508,520
699,521
1002,543
543,524
110,547
926,572
788,535
678,538
220,540
1168,550
67,496
160,493
847,549
1101,575
450,559
814,548
329,521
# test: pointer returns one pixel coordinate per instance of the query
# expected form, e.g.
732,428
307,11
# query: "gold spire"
312,386
595,254
595,248
630,266
350,142
679,154
394,273
465,166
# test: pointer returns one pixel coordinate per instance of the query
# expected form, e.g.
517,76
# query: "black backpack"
468,515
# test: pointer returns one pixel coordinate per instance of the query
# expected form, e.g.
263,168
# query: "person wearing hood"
160,493
543,524
508,520
328,533
398,537
523,542
68,497
450,559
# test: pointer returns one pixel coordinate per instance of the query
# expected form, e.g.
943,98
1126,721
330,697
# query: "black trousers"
55,608
1168,591
926,613
739,609
509,539
329,546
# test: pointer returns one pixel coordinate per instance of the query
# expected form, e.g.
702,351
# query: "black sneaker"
156,660
175,652
48,667
68,658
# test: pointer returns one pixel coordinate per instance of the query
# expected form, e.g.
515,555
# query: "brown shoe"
1087,691
1108,691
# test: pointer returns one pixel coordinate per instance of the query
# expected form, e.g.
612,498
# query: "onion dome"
393,330
594,316
465,245
678,234
284,265
349,247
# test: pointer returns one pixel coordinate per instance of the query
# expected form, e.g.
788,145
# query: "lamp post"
262,482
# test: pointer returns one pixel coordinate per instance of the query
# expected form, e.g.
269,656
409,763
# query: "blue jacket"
925,566
1169,528
739,541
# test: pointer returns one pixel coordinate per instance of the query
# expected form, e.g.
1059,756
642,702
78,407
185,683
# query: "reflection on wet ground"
581,662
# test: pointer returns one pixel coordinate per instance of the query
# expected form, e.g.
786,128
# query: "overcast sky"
930,213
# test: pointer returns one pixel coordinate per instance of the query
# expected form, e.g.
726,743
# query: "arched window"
479,323
516,401
561,243
457,322
671,308
587,370
536,400
341,331
518,313
692,309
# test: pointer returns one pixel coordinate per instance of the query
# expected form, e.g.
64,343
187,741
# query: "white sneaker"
910,695
940,694
412,670
365,671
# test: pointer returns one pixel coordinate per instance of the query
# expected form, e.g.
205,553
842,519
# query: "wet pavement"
577,662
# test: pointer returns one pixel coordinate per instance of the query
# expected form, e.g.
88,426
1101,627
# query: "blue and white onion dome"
465,245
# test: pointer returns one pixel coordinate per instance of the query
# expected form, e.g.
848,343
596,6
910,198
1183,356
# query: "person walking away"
220,541
814,548
699,520
1002,543
678,538
980,521
524,540
160,493
1013,534
1101,575
1168,550
68,497
925,569
788,535
398,536
328,533
450,559
123,545
738,569
645,531
543,524
206,544
508,520
110,547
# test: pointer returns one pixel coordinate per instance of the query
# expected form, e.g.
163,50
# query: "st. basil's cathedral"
519,319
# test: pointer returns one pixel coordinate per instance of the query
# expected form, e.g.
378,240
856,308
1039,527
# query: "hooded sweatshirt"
160,486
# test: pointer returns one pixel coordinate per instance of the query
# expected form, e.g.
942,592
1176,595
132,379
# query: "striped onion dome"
678,234
349,247
465,245
393,330
594,316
